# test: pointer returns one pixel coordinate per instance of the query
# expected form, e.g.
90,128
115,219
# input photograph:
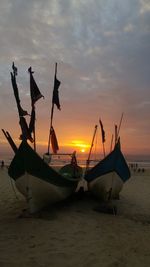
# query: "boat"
40,183
105,180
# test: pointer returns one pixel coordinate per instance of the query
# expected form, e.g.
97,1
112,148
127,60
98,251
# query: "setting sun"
78,145
81,145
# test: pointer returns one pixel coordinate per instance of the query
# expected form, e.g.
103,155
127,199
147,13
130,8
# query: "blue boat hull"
106,179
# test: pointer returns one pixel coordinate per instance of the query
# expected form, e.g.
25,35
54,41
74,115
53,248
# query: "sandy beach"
73,233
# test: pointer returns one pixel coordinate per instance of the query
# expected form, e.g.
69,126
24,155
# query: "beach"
74,233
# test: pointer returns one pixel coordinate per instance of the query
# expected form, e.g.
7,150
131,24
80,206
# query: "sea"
134,161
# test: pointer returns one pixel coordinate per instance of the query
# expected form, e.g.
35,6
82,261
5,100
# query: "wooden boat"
105,180
34,178
40,183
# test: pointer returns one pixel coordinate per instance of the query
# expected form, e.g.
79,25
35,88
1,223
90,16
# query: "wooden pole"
119,125
10,140
52,112
34,137
103,136
88,160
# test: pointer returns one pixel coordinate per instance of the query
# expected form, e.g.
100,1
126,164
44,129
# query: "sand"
73,233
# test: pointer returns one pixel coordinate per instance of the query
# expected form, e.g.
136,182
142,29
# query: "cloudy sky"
103,52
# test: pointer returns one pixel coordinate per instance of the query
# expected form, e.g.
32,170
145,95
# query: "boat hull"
39,193
40,183
106,187
106,178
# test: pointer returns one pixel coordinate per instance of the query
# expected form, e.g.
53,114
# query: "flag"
102,131
16,94
25,130
26,134
54,142
55,99
34,90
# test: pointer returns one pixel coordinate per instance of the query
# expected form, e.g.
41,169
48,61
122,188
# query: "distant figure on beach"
2,164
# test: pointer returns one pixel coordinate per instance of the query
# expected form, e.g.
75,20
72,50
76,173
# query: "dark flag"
23,124
34,90
35,96
54,142
16,94
25,130
102,131
55,99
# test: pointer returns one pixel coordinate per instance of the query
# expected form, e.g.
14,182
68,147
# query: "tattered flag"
55,99
102,131
16,94
34,90
54,142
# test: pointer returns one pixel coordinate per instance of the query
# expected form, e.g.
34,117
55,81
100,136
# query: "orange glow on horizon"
82,145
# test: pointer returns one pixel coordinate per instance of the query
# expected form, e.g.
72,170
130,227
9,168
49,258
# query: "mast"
35,96
119,125
10,140
55,100
33,116
103,136
88,160
117,129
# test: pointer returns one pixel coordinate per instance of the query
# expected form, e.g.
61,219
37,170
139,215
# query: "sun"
81,145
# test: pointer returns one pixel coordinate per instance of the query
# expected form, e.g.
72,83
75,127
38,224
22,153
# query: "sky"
102,48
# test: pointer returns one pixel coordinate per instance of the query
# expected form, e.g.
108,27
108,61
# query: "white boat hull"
106,186
40,193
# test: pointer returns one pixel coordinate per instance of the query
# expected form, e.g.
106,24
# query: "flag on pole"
34,90
55,99
16,93
25,130
54,142
102,131
23,124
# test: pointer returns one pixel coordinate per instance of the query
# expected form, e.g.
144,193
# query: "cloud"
102,50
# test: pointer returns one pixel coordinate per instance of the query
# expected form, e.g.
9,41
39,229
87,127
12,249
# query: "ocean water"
134,161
